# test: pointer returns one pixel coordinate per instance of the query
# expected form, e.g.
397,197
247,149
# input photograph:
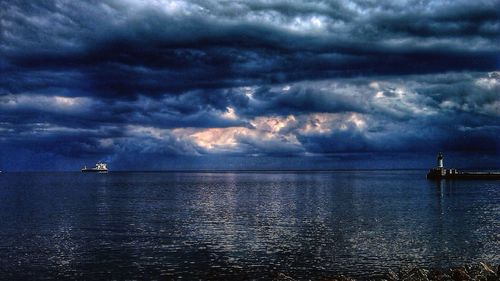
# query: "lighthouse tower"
440,172
440,160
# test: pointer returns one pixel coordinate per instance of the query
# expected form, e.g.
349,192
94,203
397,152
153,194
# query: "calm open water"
244,225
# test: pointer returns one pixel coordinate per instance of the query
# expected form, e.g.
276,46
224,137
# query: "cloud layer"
156,80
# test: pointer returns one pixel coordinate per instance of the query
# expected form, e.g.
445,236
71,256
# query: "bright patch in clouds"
219,139
46,103
229,114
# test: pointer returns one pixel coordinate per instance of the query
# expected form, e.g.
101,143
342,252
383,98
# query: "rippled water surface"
245,225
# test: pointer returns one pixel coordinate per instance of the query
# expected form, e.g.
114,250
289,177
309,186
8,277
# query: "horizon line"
221,170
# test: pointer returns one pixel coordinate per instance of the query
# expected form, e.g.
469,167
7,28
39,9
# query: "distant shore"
479,271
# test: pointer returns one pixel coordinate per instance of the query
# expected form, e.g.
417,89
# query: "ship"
440,172
99,168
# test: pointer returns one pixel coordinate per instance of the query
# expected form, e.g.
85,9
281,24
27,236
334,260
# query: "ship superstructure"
100,167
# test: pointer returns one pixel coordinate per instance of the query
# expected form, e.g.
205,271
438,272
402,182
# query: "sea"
241,225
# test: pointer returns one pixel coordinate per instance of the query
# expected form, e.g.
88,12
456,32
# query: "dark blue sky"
248,84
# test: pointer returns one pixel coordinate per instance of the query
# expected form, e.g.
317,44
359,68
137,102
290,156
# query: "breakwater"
440,172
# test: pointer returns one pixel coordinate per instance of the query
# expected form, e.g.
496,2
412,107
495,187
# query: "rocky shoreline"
478,272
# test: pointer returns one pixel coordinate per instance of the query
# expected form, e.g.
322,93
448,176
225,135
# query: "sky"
257,84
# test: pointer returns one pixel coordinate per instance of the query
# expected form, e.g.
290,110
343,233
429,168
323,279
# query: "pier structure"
440,172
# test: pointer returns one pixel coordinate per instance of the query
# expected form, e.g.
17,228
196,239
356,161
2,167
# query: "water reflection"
244,225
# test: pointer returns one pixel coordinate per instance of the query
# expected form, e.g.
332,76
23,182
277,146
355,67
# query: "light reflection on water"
245,225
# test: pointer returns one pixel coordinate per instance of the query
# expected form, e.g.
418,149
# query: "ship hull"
94,171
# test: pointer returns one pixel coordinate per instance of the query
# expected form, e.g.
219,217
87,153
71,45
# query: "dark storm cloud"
118,80
123,48
452,111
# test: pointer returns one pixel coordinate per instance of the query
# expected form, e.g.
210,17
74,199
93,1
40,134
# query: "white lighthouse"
440,160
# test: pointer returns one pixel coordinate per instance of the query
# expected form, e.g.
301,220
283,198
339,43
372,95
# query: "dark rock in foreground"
480,272
476,272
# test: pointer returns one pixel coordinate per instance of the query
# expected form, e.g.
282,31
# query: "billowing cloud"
160,79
